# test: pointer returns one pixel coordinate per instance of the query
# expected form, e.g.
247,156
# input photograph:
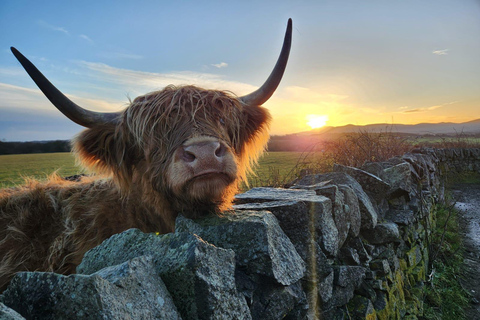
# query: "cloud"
220,65
12,71
129,81
142,82
22,98
415,110
442,52
426,109
52,27
33,100
85,37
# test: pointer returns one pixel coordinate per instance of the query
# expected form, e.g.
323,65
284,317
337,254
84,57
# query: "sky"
352,62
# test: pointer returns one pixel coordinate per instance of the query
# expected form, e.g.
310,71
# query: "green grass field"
273,168
15,168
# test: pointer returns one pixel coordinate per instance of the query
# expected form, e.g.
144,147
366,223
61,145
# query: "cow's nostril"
220,151
188,156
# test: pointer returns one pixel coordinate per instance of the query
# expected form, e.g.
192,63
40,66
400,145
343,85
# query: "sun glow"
317,121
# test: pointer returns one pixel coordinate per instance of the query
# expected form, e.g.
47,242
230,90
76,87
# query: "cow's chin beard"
207,194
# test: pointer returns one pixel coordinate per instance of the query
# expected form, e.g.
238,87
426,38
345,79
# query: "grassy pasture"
15,168
272,169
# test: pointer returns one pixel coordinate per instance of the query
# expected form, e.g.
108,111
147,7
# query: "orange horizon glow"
302,109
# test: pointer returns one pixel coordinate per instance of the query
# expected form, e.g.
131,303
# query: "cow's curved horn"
74,112
262,94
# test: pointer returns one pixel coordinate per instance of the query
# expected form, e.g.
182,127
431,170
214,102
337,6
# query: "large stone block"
272,301
259,243
399,177
303,215
402,217
131,290
369,215
375,187
199,276
347,279
383,233
352,209
396,172
340,215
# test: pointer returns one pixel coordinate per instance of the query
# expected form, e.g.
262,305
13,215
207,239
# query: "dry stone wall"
350,244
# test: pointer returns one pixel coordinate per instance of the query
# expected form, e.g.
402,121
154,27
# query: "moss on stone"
361,308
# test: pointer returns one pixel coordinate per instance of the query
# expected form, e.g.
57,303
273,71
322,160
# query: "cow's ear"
254,137
105,150
257,121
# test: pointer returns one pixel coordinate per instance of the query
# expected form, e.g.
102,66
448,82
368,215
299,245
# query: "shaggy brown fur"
49,226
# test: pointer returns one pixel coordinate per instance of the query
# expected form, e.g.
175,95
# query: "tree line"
34,147
276,143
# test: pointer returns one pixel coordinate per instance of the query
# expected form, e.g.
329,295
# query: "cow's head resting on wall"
184,145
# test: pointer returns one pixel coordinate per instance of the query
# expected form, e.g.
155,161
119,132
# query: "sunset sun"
317,121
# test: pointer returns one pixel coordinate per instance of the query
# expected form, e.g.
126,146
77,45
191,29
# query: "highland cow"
177,150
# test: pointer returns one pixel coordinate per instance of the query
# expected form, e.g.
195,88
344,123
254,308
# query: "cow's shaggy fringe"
50,225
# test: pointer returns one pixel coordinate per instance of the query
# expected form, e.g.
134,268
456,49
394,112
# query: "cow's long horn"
74,112
262,94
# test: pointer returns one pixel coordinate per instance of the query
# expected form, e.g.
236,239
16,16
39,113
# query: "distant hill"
303,141
449,128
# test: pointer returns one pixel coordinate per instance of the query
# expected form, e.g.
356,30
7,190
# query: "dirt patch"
468,203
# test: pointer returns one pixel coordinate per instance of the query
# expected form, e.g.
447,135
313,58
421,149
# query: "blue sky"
352,62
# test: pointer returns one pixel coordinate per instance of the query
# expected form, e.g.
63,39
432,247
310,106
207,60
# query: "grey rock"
381,302
381,267
352,210
375,168
7,313
383,233
367,290
399,177
340,313
361,307
402,217
262,249
199,276
348,275
347,279
303,215
371,184
325,287
349,256
414,256
382,251
300,220
396,172
340,215
131,290
267,299
120,248
262,194
279,302
359,247
259,243
394,263
368,212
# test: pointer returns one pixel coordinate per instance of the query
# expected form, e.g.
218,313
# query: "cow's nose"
204,157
